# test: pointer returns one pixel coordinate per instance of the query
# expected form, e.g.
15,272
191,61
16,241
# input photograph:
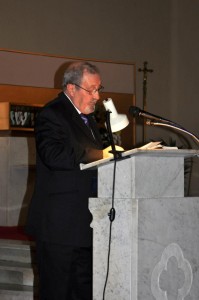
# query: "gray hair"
75,72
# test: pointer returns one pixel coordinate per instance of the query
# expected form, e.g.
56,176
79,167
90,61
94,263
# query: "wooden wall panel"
40,70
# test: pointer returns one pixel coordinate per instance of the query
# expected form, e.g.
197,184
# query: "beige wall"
164,33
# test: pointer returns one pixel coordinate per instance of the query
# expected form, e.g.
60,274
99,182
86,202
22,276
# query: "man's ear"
70,88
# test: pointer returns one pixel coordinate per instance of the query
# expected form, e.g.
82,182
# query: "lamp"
117,121
114,122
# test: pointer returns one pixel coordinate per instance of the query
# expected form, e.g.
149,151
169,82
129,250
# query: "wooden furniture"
20,116
19,105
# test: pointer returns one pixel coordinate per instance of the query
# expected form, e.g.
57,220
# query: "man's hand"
106,152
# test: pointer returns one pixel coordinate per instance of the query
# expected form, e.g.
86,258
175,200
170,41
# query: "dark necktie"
85,119
86,122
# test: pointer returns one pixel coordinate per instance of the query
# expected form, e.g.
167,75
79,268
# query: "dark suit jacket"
59,207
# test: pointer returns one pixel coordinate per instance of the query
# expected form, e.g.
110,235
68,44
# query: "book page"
155,145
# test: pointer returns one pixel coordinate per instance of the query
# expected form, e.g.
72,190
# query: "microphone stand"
174,126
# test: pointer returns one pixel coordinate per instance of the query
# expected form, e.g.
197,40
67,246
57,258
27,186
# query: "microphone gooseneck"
137,112
151,123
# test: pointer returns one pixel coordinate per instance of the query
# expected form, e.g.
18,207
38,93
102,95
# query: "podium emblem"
172,250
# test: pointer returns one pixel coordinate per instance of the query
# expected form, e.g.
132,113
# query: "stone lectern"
154,251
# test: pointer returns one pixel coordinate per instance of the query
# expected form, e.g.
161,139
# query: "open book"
155,145
149,146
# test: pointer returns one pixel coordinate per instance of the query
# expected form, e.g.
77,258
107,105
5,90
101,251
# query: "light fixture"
114,122
117,121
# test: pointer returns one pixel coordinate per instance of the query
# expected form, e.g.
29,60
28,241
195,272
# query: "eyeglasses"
99,90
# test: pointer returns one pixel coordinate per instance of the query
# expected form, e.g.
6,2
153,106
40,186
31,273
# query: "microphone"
137,112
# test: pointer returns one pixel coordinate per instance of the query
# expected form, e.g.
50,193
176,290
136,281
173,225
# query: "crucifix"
145,71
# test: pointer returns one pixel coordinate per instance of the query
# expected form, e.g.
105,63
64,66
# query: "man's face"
84,100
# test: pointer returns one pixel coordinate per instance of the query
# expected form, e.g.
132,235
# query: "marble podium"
154,250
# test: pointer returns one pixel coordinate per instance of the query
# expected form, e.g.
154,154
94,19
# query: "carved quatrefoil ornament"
172,250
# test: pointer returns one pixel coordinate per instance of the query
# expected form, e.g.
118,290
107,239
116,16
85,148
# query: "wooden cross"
145,71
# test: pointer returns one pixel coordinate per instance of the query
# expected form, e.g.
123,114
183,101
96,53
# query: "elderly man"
66,135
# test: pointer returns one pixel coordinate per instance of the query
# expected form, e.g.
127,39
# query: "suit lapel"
93,125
